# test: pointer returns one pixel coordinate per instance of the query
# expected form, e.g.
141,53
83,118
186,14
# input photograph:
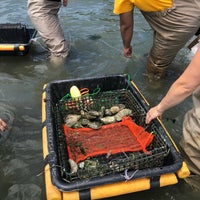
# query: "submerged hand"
128,52
65,2
3,125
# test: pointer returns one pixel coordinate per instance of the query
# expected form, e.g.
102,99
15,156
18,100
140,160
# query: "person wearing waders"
188,83
174,22
44,16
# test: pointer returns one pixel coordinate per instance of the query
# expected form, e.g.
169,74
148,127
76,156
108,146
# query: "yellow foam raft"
110,189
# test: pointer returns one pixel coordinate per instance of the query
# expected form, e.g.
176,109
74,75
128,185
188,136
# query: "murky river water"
93,32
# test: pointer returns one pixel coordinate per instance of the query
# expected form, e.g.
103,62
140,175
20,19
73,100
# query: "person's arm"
180,89
126,29
3,125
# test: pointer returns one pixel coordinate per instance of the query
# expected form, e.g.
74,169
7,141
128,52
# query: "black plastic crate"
120,162
15,38
163,159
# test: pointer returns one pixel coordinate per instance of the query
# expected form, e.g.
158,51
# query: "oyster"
73,166
108,119
72,119
90,114
90,164
81,165
122,113
84,121
93,113
108,112
78,125
94,125
116,108
102,111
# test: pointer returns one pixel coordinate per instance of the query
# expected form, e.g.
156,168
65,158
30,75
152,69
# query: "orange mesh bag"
124,136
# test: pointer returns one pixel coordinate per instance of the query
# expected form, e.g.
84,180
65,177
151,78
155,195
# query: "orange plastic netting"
124,136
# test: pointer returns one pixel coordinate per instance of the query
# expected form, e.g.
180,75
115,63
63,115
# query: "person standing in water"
44,16
188,83
174,22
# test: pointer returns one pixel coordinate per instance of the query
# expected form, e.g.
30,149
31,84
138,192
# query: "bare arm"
126,29
180,89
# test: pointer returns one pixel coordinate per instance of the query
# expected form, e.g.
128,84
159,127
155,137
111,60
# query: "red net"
124,136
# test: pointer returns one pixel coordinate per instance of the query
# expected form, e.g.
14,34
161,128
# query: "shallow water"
96,50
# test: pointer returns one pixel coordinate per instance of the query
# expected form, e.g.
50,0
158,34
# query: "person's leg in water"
44,16
190,141
172,29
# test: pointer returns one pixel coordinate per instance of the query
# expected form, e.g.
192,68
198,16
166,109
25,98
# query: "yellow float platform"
162,167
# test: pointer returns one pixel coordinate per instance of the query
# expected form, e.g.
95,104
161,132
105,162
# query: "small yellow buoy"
75,92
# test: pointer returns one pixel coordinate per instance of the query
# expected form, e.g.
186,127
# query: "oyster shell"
72,119
108,119
122,113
